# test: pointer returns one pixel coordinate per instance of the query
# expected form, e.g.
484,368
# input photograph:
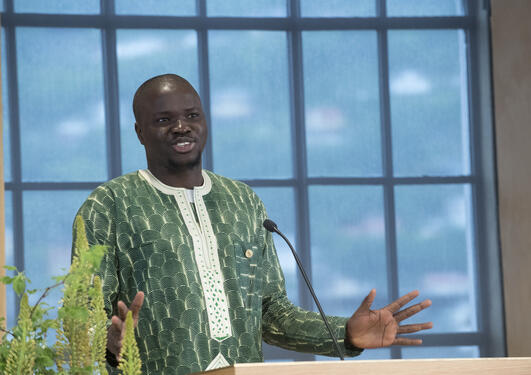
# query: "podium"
468,366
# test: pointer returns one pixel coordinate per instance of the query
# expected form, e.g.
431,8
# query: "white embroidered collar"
171,190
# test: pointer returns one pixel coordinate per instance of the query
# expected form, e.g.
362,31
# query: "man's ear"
138,131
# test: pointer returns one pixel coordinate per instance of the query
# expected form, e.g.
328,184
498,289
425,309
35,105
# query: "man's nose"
180,126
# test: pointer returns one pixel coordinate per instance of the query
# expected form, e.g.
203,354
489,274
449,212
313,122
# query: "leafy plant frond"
130,363
21,357
98,334
80,326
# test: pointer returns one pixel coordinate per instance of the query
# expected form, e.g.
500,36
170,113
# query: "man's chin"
187,163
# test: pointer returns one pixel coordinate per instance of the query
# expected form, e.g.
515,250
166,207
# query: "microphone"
272,227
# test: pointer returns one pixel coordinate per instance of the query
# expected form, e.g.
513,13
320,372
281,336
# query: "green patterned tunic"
209,270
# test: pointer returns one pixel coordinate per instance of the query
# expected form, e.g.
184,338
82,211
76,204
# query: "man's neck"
183,178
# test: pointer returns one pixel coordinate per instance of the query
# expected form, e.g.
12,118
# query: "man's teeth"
181,144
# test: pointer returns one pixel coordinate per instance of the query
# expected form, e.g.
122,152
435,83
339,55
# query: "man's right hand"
116,331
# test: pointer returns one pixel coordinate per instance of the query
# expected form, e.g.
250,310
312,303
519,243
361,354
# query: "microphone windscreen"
270,225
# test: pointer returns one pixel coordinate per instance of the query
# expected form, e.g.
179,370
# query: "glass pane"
250,104
156,7
348,246
342,103
47,252
338,8
441,352
9,260
279,202
246,8
429,102
412,8
61,104
436,253
58,6
5,114
135,50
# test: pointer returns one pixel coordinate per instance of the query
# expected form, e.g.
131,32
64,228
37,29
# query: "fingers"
115,335
367,302
122,310
136,305
404,341
412,310
116,322
412,328
402,301
116,331
116,328
119,324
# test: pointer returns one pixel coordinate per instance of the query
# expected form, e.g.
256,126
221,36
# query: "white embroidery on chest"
218,362
207,260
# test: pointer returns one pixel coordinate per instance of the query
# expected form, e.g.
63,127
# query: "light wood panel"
511,61
471,366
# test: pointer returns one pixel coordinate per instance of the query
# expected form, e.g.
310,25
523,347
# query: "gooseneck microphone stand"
272,227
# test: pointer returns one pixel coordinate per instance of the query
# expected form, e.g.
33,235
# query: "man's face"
172,126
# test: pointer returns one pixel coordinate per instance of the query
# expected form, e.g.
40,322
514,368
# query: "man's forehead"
169,98
167,89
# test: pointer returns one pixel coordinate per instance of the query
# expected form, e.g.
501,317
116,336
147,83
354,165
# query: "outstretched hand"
116,331
379,328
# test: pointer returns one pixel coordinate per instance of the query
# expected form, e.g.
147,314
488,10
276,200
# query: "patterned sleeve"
98,214
288,326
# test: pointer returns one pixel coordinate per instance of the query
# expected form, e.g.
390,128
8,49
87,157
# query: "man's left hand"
379,328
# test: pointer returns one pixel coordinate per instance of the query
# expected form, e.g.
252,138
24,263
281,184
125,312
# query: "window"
352,120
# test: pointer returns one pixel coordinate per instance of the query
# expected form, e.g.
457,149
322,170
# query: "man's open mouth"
184,146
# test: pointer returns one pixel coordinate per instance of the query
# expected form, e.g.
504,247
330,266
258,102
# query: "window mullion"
16,158
299,151
112,104
387,160
204,83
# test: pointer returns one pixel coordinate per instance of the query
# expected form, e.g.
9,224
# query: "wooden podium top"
468,366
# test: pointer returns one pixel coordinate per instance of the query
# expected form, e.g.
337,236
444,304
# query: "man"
189,256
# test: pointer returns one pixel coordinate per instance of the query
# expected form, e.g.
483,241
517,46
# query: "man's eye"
163,119
193,115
